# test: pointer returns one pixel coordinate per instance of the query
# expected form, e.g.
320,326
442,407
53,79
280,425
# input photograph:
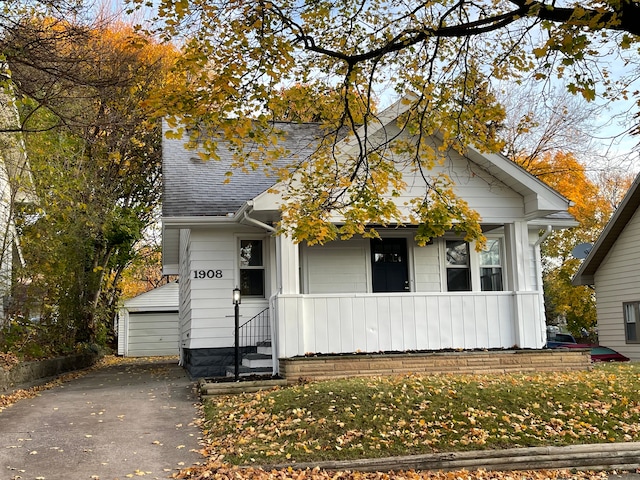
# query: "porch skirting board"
484,362
210,362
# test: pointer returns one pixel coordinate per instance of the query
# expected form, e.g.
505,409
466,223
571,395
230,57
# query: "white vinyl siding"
211,313
426,265
345,267
535,265
493,200
617,281
184,317
336,267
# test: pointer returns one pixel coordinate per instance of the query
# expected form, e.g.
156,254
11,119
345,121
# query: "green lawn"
375,417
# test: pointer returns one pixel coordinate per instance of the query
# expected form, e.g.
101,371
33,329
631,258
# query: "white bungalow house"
612,268
357,295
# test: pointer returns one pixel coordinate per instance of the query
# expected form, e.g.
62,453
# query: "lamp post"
237,297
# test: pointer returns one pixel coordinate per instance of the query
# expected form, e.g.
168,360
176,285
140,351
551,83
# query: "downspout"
543,237
536,250
258,223
268,228
272,308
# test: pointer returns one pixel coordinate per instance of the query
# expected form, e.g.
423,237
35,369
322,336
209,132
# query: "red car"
598,352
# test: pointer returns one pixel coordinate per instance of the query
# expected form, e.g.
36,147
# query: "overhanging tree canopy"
239,54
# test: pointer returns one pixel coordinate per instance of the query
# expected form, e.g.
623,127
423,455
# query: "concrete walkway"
116,422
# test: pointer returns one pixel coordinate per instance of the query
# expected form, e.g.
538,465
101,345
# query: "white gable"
161,298
498,189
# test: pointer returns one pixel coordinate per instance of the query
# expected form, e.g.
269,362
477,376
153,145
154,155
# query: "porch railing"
256,330
346,323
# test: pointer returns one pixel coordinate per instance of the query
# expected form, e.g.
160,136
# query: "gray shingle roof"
192,187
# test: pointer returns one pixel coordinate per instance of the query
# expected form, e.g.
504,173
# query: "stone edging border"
211,389
38,372
605,456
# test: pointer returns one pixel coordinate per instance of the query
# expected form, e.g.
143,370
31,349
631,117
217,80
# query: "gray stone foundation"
211,362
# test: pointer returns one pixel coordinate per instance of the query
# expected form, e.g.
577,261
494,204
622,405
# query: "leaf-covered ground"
8,360
221,471
403,415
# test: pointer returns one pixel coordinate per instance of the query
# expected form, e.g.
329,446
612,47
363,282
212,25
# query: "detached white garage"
147,325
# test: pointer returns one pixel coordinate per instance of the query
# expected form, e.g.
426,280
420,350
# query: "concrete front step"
257,360
264,349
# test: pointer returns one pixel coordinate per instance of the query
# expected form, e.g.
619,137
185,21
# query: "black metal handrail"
255,330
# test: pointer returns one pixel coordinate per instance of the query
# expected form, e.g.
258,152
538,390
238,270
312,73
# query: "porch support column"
526,320
287,321
290,265
517,239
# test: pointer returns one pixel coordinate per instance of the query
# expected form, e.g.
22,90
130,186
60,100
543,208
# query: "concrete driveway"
116,422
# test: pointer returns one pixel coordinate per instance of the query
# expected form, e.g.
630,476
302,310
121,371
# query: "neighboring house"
16,186
147,325
357,295
612,267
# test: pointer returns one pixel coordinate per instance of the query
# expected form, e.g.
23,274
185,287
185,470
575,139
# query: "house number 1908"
207,274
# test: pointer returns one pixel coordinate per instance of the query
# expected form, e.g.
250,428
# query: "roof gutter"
204,220
179,222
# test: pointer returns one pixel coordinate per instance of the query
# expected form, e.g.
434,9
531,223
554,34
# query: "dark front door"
389,265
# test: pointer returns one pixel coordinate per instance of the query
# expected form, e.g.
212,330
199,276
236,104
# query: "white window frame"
500,265
448,266
474,264
263,267
635,306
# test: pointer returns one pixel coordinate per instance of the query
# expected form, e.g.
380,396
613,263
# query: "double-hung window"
631,321
252,278
468,270
490,259
458,266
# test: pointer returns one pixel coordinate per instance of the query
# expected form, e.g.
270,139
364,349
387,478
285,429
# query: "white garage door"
153,334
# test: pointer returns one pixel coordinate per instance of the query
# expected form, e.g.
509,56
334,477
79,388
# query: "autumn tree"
144,270
540,128
566,174
614,181
95,155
